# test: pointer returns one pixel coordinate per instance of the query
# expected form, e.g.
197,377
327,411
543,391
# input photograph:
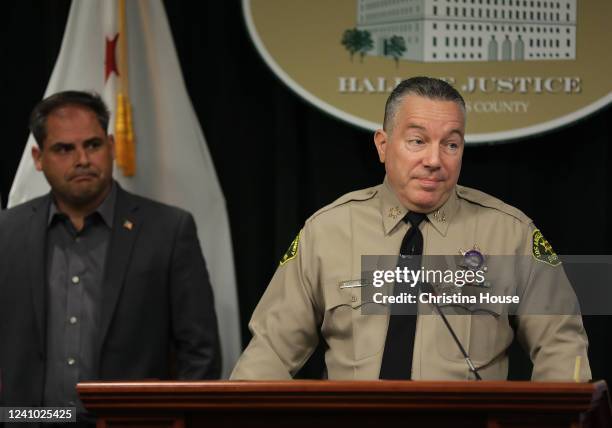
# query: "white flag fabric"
172,159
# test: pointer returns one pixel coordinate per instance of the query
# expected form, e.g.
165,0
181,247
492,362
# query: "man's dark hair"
88,100
428,87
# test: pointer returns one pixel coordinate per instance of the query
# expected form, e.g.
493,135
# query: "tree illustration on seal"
357,41
395,48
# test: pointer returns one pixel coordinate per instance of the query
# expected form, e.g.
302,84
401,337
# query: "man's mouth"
83,177
432,180
429,183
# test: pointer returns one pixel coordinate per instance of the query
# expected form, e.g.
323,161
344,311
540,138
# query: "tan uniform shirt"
306,296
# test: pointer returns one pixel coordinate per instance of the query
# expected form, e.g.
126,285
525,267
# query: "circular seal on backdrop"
523,66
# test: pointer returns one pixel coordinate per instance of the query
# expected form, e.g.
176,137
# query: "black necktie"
397,357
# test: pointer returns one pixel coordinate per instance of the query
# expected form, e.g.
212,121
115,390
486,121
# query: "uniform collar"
393,211
441,218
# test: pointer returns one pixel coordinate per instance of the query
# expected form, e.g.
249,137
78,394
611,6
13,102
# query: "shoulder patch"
543,251
291,251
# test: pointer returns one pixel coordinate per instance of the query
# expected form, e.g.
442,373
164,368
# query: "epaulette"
357,195
488,201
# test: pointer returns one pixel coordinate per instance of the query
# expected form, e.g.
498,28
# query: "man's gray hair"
428,87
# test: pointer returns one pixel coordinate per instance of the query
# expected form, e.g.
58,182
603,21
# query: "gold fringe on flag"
125,148
130,156
120,131
125,144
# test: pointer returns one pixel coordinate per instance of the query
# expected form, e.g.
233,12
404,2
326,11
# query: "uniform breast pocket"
354,323
483,330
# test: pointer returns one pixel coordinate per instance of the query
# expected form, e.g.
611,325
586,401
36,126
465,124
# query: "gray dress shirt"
75,273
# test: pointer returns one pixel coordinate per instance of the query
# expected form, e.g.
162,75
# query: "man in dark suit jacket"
95,282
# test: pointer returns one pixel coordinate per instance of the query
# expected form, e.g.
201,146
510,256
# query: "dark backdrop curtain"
279,159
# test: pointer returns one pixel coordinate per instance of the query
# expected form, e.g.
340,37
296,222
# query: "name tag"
354,283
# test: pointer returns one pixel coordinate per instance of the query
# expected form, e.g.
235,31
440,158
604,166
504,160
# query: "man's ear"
381,141
37,156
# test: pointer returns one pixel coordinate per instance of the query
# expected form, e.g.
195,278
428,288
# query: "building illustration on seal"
468,30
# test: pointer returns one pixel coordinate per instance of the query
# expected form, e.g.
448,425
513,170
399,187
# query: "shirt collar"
106,209
441,218
393,211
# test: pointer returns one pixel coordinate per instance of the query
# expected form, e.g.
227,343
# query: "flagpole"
123,61
124,133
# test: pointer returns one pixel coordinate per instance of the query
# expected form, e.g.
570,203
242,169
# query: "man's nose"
82,157
432,156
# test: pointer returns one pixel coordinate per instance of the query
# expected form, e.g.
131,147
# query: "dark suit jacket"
156,298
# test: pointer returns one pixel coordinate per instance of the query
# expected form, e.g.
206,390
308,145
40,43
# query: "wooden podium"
354,404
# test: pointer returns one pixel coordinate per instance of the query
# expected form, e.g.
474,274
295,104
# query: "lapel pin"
128,225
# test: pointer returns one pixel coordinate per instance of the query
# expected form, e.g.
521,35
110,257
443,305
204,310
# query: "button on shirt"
75,271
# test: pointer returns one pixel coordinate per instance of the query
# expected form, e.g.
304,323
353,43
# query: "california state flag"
124,51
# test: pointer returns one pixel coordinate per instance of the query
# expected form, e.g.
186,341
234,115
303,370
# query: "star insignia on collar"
439,216
394,212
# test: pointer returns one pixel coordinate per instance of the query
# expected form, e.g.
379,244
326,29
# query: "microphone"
466,357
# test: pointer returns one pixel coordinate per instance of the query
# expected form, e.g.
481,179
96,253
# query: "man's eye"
451,146
415,144
60,148
93,144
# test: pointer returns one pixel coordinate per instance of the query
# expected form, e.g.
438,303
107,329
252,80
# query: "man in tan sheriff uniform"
316,288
